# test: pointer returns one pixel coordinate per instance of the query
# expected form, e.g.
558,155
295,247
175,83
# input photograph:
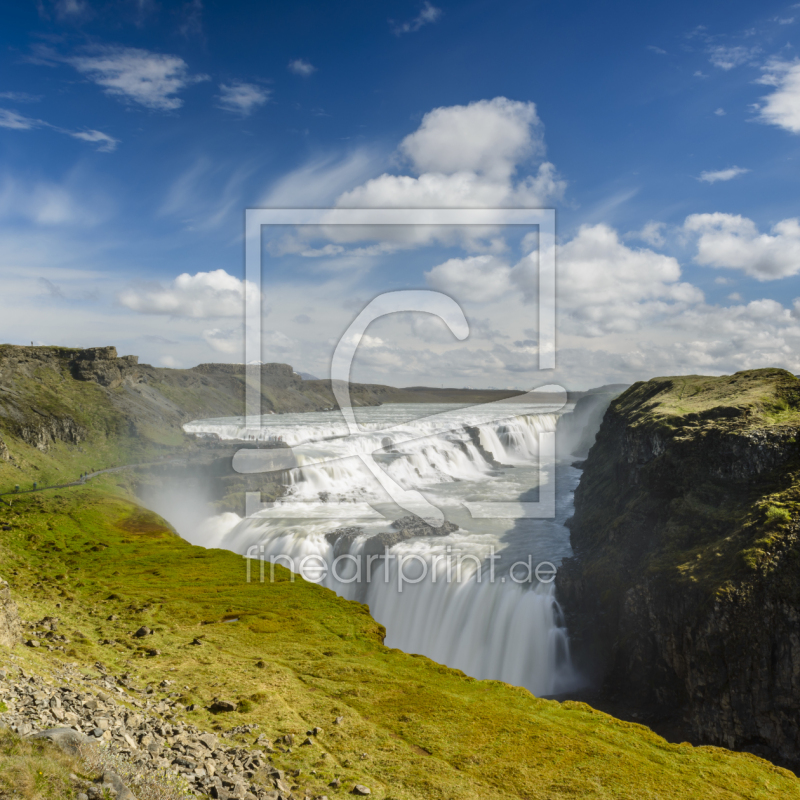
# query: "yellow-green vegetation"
761,396
298,656
32,769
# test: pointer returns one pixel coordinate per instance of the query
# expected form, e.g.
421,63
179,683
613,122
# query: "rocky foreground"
140,725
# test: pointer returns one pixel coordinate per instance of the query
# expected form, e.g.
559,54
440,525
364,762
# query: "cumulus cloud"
729,57
427,15
479,279
201,296
152,80
722,174
301,67
467,156
606,287
242,98
734,242
486,137
782,107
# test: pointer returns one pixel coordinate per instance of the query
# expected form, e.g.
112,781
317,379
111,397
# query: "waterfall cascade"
490,623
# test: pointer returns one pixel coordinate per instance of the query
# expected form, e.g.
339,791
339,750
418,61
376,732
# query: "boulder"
65,739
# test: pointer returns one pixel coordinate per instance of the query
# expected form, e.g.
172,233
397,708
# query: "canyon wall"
683,597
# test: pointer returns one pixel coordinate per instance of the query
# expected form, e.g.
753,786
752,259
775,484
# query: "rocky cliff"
684,593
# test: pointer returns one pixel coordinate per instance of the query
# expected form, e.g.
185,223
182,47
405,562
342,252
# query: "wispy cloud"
655,49
152,80
20,97
729,57
192,24
722,174
66,10
428,14
104,142
242,98
720,112
15,121
301,67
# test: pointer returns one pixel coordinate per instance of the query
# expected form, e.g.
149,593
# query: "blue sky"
134,134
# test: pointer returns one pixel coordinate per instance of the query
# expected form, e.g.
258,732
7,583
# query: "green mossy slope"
427,731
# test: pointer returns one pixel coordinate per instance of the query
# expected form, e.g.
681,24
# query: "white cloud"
729,57
487,137
720,112
16,122
722,174
104,142
242,98
228,340
301,67
427,15
204,295
651,233
732,241
782,107
605,286
320,181
655,49
479,279
467,156
152,80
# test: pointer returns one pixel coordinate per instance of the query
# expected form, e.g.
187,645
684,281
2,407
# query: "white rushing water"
460,604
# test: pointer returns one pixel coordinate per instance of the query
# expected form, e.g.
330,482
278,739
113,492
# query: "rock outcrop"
683,597
10,626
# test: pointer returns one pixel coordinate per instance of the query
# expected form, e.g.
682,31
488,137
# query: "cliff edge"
683,597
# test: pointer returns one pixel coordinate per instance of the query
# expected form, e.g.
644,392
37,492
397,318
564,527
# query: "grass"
34,770
299,656
769,397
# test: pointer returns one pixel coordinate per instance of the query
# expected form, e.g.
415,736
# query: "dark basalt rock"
683,598
408,527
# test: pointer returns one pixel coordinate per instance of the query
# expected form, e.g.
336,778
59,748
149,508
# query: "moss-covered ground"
301,657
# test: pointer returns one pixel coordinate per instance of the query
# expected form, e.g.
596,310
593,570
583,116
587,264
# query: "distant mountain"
307,376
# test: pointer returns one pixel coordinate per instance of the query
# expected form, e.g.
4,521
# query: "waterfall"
484,622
